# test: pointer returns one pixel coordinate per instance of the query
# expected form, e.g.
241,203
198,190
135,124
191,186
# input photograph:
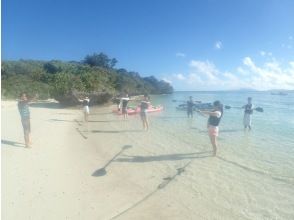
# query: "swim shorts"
213,130
26,124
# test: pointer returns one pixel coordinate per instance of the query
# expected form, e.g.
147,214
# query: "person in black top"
24,111
190,105
124,105
213,123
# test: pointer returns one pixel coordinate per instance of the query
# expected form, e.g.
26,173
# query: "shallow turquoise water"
270,144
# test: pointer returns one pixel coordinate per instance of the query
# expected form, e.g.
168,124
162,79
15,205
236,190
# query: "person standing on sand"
190,105
248,111
85,103
213,122
143,112
24,111
124,105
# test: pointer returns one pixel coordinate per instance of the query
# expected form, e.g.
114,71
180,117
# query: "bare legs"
86,116
28,140
213,143
145,122
126,116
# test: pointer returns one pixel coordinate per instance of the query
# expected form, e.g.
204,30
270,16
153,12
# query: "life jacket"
248,109
213,120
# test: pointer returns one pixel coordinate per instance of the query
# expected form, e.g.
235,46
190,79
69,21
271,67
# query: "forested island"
95,76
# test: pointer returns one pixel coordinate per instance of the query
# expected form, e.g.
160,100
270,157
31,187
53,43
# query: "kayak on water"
199,106
133,111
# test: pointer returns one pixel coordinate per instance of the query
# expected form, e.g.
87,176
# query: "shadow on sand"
166,157
12,143
52,105
102,171
115,132
221,131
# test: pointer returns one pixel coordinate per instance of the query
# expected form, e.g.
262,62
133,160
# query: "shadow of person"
114,132
102,171
12,143
165,157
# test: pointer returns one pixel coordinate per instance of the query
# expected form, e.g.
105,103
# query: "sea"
252,176
270,143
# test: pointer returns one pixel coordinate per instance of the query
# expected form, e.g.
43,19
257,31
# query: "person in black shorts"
190,105
24,111
124,105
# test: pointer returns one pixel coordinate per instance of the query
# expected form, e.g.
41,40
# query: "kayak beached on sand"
133,111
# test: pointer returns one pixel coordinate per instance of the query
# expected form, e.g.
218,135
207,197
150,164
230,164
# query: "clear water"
270,144
252,176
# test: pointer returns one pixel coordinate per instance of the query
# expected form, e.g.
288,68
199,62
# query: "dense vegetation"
95,76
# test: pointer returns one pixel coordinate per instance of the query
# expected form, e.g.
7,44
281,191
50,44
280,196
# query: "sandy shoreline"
111,169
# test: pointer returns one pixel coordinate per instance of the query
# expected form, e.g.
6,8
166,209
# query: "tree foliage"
95,76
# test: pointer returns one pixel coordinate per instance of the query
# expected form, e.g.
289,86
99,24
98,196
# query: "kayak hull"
138,110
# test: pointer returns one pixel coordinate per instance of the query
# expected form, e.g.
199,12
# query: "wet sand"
110,168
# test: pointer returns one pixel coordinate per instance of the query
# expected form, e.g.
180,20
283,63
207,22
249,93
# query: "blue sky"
195,45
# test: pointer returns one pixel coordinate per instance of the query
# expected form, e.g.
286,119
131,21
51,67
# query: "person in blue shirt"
24,111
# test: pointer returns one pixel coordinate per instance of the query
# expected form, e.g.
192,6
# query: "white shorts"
247,120
86,110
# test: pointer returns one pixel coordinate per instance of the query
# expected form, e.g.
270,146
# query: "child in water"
213,122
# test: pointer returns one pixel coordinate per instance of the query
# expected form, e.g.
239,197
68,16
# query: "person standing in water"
124,105
248,111
143,112
190,105
213,123
24,111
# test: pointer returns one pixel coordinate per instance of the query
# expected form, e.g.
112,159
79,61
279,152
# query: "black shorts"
143,115
26,124
190,111
124,110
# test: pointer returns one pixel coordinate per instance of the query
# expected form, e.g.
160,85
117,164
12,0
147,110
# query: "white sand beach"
111,169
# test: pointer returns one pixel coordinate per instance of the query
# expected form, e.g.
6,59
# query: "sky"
192,44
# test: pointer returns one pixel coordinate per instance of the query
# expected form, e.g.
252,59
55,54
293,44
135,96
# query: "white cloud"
167,80
262,53
205,68
204,75
179,76
179,54
218,45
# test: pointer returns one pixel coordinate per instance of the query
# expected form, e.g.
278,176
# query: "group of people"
122,105
215,115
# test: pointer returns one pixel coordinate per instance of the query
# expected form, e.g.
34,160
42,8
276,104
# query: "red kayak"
132,111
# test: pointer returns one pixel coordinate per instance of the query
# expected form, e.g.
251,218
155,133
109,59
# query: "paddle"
258,109
174,100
